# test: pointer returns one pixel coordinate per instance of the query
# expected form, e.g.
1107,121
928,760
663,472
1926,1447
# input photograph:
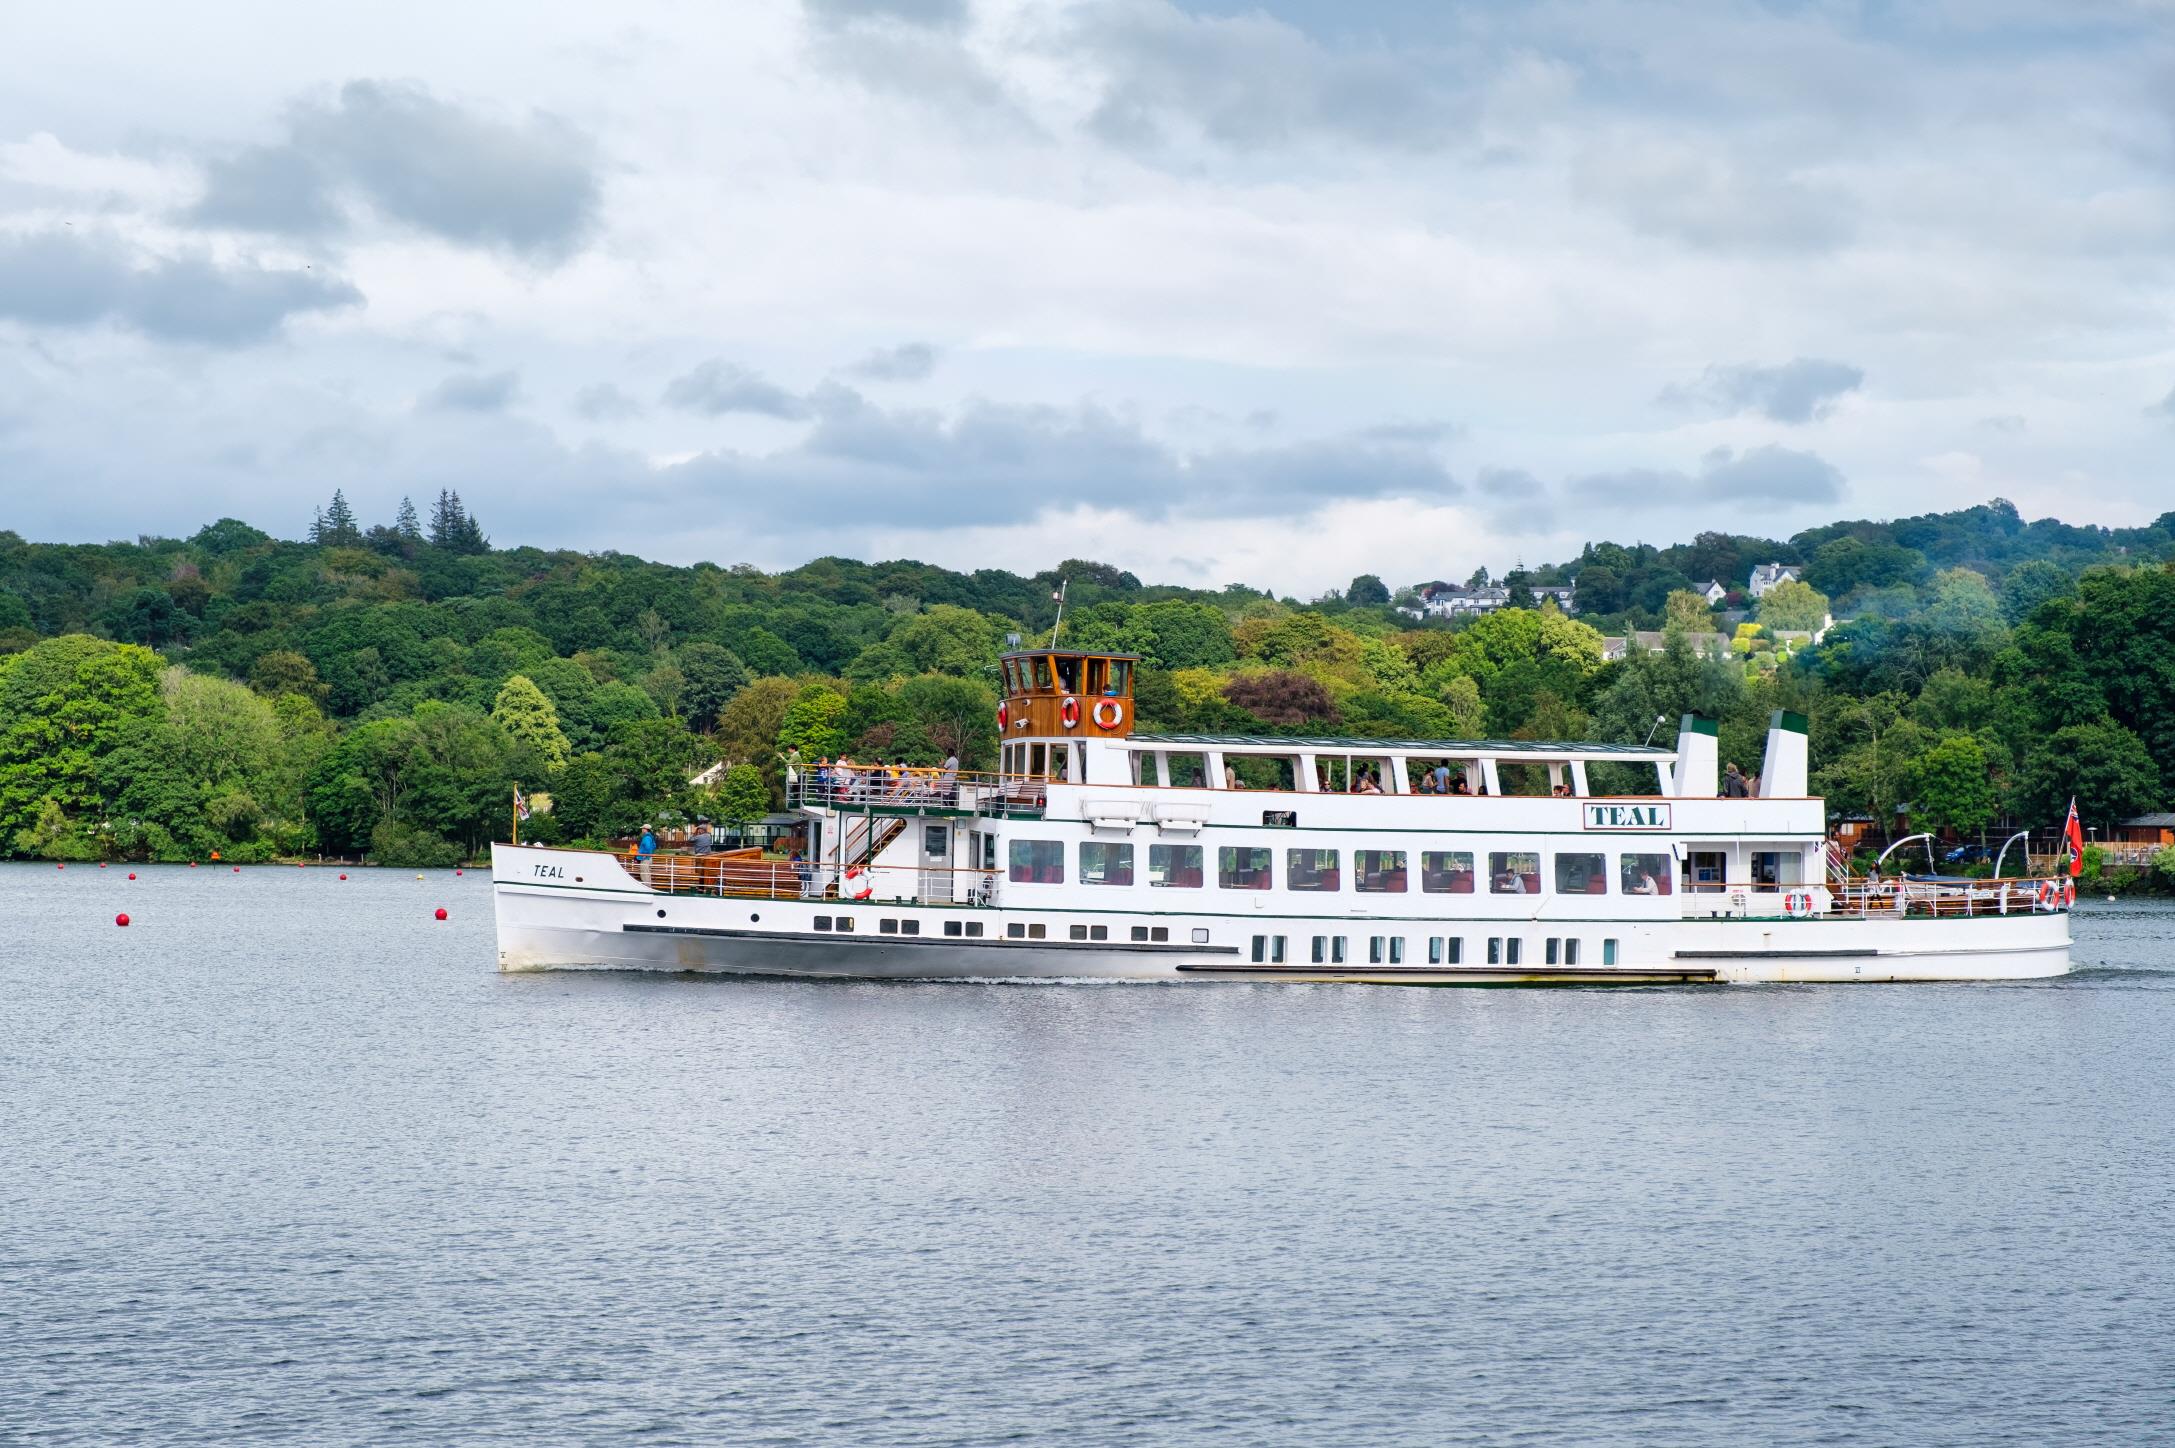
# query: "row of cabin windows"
1041,674
843,925
1441,950
1374,872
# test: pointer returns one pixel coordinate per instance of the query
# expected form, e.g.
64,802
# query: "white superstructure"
1099,853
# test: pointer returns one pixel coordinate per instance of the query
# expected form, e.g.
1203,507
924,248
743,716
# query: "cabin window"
1038,862
910,927
1379,872
1105,864
1012,677
1555,944
1510,950
1495,950
1079,932
844,922
1311,870
1159,933
1068,675
1098,932
1174,867
1514,872
1261,949
1242,867
1374,950
1321,950
1397,950
1570,950
1445,950
1269,949
887,927
974,929
1188,771
1608,952
1042,671
1771,868
1446,872
1437,776
954,927
1140,932
1707,869
823,922
1097,669
1581,874
1143,766
1646,874
1200,935
1121,677
1280,819
1016,930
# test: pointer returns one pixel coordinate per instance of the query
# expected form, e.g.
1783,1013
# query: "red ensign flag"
2073,836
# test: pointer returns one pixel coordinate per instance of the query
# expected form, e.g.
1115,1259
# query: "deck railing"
748,874
874,788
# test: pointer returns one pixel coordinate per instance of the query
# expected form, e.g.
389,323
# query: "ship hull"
593,915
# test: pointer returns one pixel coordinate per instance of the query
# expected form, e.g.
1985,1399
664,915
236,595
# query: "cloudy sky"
1220,291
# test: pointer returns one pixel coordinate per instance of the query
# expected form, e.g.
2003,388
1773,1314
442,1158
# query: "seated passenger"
1461,787
1368,783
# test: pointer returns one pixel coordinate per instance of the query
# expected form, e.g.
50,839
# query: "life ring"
2069,893
1109,713
1069,712
1004,716
1796,902
2047,895
857,884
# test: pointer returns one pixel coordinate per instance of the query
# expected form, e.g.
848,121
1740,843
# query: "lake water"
287,1161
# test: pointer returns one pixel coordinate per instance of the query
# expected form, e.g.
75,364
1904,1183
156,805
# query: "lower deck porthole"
660,915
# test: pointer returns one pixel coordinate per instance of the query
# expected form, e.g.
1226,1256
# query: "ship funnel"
1782,773
1696,776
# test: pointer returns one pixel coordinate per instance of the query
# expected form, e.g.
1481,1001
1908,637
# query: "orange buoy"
441,912
121,919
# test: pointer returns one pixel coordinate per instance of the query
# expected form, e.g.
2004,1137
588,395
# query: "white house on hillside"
1713,592
1449,600
1767,576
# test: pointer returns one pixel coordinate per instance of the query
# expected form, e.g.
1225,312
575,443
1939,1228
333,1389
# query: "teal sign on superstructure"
1627,817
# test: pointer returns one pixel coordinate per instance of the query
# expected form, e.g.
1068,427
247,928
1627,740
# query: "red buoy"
456,872
60,867
192,864
441,912
343,877
120,919
237,869
101,864
132,874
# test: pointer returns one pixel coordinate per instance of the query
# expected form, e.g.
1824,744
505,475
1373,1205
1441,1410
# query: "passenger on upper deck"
1733,783
1459,786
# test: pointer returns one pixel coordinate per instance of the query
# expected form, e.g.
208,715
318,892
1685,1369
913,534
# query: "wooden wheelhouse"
1056,698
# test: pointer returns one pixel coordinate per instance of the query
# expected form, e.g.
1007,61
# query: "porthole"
753,918
577,879
660,915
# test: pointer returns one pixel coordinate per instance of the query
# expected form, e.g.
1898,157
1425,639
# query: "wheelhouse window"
1242,867
1102,863
1647,874
1581,874
1174,867
1379,872
1312,870
1038,862
1446,872
1042,671
1514,872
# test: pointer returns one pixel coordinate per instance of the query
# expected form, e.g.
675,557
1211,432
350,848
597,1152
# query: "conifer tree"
447,521
336,525
406,524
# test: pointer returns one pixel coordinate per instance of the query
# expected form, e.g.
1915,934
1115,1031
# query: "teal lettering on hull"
1627,817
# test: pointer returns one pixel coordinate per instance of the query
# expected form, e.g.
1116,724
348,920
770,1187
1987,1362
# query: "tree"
336,527
2030,584
64,704
1367,591
1793,605
1283,698
406,525
958,715
742,797
283,671
528,718
812,723
711,676
2104,766
453,529
1688,611
946,639
1949,787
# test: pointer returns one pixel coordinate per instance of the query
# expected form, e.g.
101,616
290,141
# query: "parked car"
1968,855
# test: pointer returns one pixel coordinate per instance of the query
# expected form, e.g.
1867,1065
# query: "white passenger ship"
1098,852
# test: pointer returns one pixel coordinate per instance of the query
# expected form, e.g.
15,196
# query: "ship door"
936,875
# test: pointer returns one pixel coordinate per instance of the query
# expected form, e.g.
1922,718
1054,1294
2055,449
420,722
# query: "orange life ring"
1109,713
857,883
1069,712
2069,893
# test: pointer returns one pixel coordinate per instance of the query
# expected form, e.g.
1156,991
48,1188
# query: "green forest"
379,691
